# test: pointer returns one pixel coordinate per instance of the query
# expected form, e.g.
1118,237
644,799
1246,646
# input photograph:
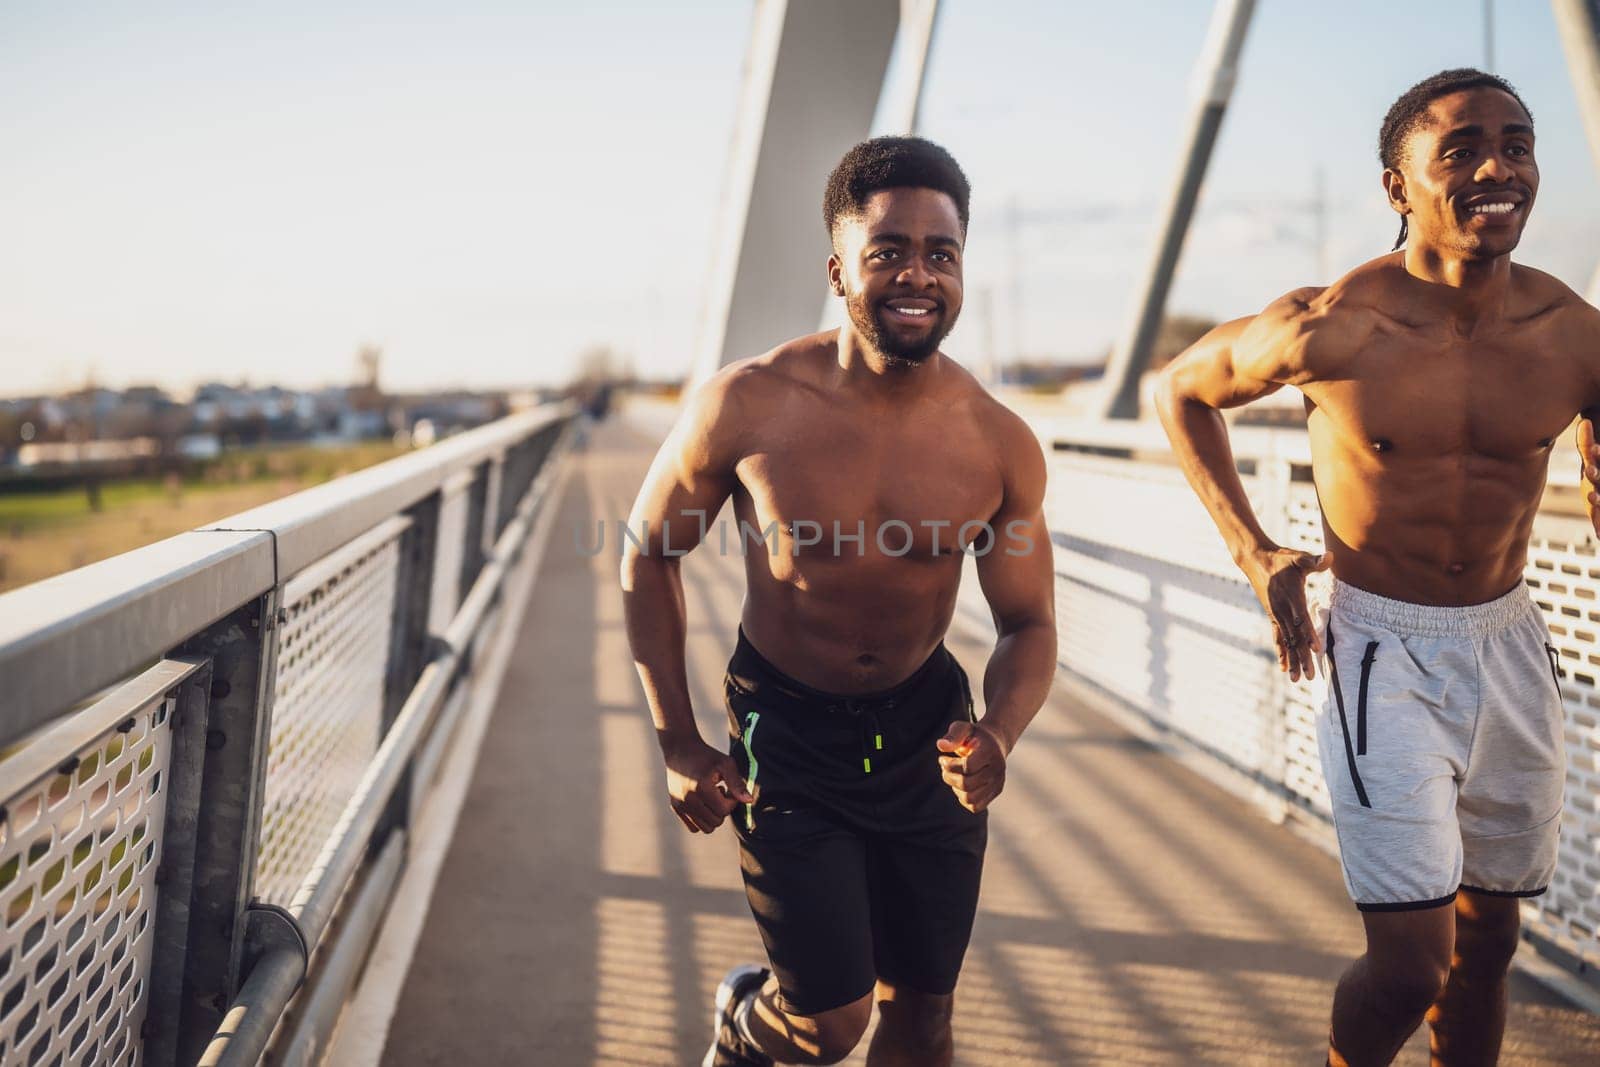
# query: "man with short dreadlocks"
1437,379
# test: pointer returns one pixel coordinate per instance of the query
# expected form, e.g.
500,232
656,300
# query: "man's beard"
883,337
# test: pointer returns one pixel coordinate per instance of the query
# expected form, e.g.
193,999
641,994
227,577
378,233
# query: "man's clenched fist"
974,766
703,785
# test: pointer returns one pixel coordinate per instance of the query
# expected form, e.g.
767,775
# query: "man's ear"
835,275
1394,187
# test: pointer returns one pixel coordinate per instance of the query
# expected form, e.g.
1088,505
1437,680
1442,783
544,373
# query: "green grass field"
43,534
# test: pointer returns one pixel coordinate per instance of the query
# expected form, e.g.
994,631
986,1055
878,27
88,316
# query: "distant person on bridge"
1437,379
858,778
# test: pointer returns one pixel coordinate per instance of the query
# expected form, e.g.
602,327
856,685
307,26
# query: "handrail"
310,524
316,642
1249,442
1254,442
277,975
68,637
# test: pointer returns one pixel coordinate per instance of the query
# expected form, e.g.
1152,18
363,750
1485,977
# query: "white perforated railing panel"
333,652
79,849
1564,576
1302,770
1151,610
1144,508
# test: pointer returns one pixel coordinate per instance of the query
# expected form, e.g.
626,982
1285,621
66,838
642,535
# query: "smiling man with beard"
858,777
1436,381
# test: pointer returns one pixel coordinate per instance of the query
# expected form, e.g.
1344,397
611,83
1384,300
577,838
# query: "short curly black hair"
1407,113
892,163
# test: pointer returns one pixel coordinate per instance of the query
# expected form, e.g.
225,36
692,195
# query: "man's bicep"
1248,358
1223,369
1586,342
1016,574
684,496
690,477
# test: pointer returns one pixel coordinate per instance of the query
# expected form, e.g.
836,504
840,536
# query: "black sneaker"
728,1048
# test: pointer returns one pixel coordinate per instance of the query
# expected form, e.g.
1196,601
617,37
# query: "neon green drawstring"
877,740
866,761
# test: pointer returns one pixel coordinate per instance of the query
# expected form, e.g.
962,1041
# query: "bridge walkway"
1132,913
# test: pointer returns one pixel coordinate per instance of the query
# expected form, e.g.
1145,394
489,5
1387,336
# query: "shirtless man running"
857,778
1436,381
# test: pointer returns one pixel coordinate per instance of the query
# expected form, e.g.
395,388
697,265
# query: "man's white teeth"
911,311
1492,209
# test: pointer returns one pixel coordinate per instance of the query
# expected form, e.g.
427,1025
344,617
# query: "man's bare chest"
1502,401
918,491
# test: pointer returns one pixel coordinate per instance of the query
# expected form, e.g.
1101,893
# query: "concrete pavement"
1132,913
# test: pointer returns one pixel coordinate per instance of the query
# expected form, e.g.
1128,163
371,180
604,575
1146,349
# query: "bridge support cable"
1579,24
899,102
813,75
1214,79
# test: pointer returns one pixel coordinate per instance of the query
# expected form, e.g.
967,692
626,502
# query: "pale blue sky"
227,190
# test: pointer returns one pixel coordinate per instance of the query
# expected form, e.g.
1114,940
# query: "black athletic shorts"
859,862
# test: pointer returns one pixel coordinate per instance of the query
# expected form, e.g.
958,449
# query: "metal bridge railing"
1159,627
212,747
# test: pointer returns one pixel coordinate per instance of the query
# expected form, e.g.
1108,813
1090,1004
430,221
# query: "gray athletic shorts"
1441,742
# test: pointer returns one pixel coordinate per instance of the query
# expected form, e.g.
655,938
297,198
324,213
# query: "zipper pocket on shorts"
1361,698
1344,724
1553,654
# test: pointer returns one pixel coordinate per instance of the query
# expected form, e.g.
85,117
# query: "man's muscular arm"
688,482
1018,581
1235,363
1585,339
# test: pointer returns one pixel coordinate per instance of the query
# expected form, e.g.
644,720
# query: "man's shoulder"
1555,318
962,388
1002,423
793,363
1539,283
1348,303
755,379
1309,332
727,412
1538,294
1372,290
1014,445
1381,289
1368,300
